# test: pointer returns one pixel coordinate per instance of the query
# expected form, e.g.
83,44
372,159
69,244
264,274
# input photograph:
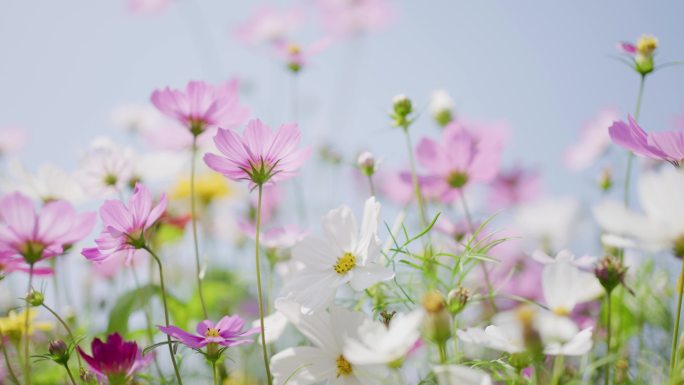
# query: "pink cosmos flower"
27,237
141,7
12,139
260,156
283,237
227,332
270,204
512,187
115,360
350,18
592,142
296,56
202,106
268,25
678,121
462,157
126,228
664,145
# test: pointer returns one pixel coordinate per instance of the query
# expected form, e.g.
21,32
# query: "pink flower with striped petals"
260,156
126,228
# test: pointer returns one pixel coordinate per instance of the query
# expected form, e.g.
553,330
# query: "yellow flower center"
211,332
345,263
294,49
561,311
646,45
344,368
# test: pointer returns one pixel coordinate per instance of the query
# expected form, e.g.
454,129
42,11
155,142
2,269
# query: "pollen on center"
345,263
344,368
211,332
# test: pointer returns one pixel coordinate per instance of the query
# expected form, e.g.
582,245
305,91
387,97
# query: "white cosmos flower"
440,101
559,335
583,262
136,118
460,375
378,344
551,221
662,222
565,285
347,254
107,168
49,182
325,360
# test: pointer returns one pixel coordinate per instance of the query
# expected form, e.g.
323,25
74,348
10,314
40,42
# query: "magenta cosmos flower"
27,236
202,106
126,228
260,156
115,360
227,332
664,145
462,157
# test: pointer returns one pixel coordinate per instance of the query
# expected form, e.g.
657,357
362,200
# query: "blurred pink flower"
27,237
463,156
268,25
664,145
260,155
227,332
283,237
592,142
12,140
202,106
295,56
678,121
140,7
125,227
270,203
512,187
354,17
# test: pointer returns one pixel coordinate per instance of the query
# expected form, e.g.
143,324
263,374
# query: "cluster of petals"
228,331
664,145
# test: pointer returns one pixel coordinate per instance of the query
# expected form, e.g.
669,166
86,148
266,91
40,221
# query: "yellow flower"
646,45
208,187
14,324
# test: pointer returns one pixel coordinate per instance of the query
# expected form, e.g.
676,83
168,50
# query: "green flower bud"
457,299
437,324
610,273
35,298
59,352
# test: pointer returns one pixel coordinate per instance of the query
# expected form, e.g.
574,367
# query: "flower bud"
59,351
645,48
531,338
437,324
610,273
366,163
457,299
441,106
35,298
605,181
402,107
87,376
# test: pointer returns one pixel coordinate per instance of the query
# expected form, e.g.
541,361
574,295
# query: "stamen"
345,263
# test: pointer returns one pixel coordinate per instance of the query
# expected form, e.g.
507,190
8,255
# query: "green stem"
414,179
609,332
675,336
371,185
166,311
66,327
630,155
71,377
193,214
259,291
558,365
27,319
215,372
12,375
148,325
442,353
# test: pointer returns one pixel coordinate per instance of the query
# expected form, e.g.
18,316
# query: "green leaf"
133,301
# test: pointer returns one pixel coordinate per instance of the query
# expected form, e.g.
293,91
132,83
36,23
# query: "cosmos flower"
48,183
29,236
296,56
126,228
462,157
281,237
325,361
565,285
593,141
201,106
115,360
260,155
136,118
208,188
661,224
512,187
226,332
268,25
347,254
12,140
14,324
352,18
442,107
107,168
641,53
549,222
461,375
663,145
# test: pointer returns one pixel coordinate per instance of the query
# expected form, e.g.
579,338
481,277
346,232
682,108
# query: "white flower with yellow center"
325,361
565,285
347,254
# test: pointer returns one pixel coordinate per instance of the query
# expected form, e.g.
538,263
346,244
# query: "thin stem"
609,310
371,185
193,214
442,353
71,377
215,372
13,375
675,336
27,319
66,327
259,292
148,324
558,365
414,179
294,98
630,155
166,311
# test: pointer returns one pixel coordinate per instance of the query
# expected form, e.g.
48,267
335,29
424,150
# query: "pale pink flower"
268,25
28,237
260,156
355,17
201,106
228,331
463,156
141,7
12,140
593,141
283,237
678,121
126,228
296,56
513,187
663,145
